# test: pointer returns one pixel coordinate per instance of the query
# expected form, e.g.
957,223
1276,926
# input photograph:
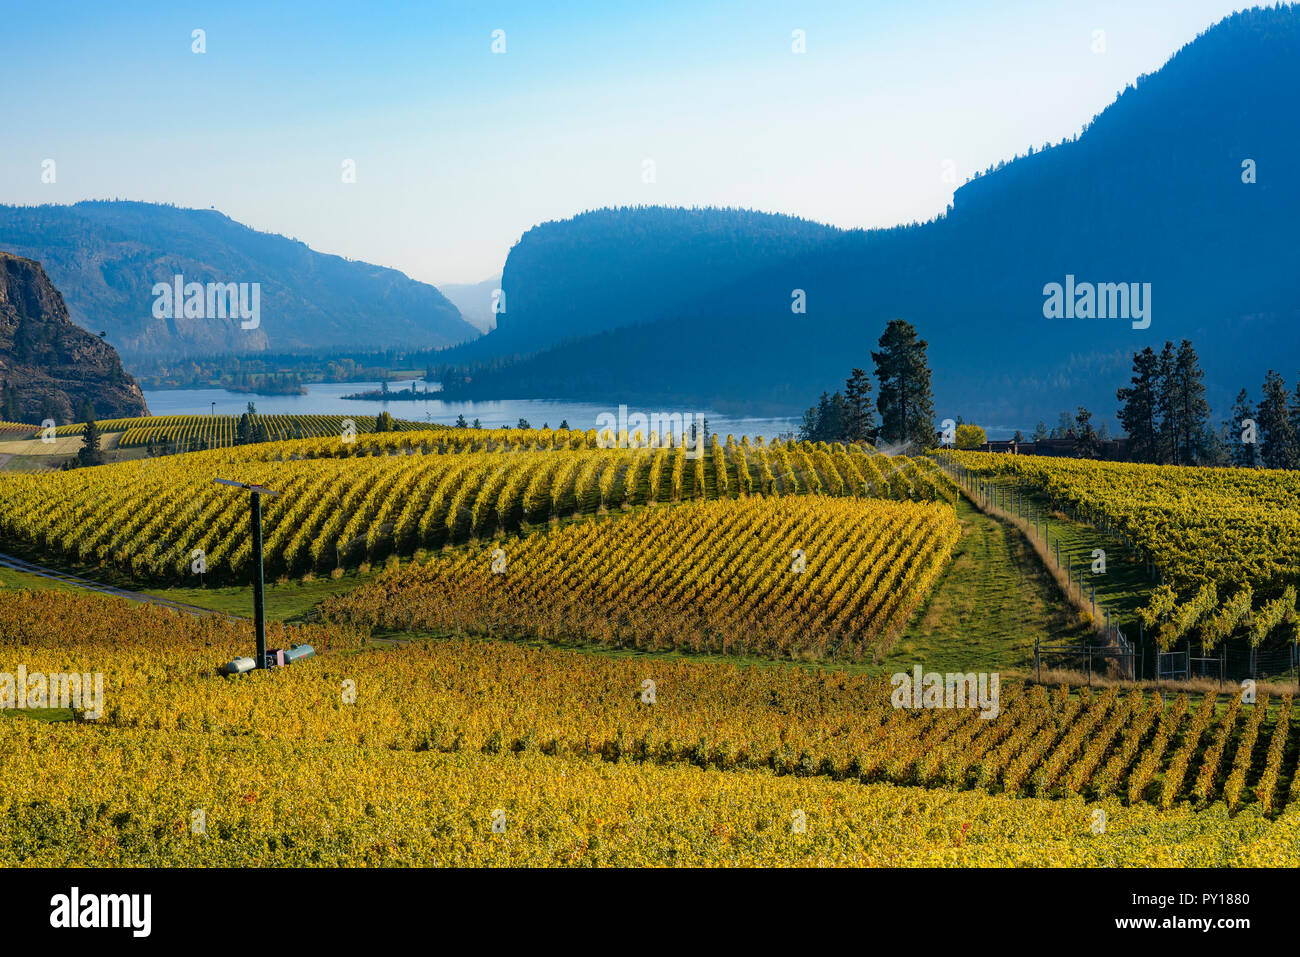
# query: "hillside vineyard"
776,577
399,493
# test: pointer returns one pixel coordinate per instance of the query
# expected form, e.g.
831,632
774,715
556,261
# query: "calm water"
326,398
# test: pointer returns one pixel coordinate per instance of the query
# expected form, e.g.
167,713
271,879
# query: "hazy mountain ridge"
1152,191
107,256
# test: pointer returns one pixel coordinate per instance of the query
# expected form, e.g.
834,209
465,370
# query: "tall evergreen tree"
1040,431
90,452
861,422
1166,406
1244,445
1139,407
1085,446
1191,411
904,399
1277,447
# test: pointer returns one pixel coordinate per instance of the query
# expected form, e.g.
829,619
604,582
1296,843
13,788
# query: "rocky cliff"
49,365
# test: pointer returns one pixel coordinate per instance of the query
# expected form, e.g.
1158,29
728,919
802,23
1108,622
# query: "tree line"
1167,418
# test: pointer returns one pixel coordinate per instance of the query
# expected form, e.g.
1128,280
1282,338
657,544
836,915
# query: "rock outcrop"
49,366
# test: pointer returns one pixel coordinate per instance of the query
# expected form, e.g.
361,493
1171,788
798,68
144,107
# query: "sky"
458,150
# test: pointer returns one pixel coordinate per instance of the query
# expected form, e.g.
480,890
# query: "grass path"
1123,587
992,602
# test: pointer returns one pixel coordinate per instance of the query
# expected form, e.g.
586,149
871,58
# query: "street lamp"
255,493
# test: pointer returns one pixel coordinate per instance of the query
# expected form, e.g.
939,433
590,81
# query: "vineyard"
783,578
396,494
1224,544
16,430
219,431
405,755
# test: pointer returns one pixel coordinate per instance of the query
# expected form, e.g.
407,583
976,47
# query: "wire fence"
1120,651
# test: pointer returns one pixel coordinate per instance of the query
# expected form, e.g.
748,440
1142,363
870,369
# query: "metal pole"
259,602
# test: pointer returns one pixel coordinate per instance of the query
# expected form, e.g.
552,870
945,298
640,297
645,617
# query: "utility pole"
255,493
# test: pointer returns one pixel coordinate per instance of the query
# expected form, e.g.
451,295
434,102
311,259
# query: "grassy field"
992,602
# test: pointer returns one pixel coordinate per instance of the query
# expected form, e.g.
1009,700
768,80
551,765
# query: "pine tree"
1040,431
1166,407
1085,446
810,424
49,409
1244,444
861,420
1192,412
1138,411
904,399
90,453
1277,434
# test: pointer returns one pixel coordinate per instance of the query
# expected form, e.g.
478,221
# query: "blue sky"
459,151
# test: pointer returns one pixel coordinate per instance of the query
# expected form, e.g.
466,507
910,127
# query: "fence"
1018,504
1103,661
1122,653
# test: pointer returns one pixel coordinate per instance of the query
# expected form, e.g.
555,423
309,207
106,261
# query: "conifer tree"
904,399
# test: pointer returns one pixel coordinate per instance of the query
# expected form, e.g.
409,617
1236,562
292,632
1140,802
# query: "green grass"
991,603
1124,587
285,601
21,580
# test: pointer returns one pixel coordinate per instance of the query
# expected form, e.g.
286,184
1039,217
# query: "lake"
326,398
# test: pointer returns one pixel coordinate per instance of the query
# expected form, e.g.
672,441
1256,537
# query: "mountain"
648,303
475,301
108,256
47,362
